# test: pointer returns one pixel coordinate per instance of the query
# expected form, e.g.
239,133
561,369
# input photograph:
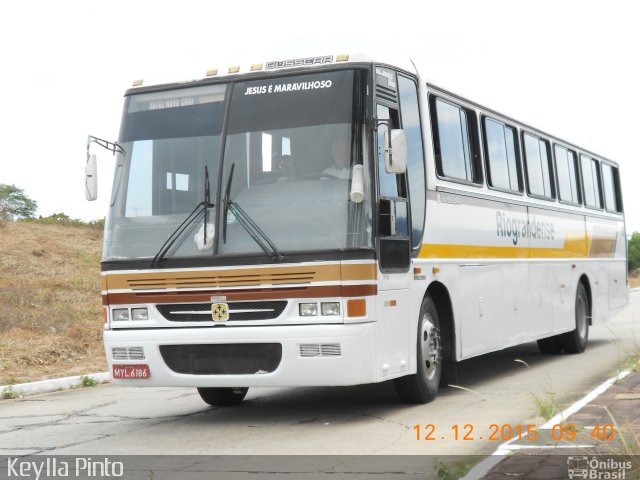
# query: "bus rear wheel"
422,387
576,340
223,396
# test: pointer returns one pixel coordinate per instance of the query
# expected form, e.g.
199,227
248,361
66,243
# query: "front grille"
238,311
223,359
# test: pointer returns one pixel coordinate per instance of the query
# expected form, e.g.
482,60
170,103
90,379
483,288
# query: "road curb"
505,449
52,385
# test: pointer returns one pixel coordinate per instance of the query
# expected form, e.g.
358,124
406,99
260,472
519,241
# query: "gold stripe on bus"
576,247
296,275
471,251
359,271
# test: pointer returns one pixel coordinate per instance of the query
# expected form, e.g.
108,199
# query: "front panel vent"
119,353
320,350
127,353
136,353
330,350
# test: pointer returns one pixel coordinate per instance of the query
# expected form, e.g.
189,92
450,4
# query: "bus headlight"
120,314
139,314
308,309
330,308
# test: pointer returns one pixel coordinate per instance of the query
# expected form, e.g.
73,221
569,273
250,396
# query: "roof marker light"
342,58
137,83
256,66
212,73
234,69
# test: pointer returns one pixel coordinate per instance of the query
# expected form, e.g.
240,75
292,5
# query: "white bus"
337,220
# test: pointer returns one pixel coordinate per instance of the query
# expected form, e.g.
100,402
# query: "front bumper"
354,365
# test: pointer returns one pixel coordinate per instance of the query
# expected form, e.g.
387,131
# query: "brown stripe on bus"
245,295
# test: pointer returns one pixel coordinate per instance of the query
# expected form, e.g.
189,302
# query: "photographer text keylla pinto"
52,467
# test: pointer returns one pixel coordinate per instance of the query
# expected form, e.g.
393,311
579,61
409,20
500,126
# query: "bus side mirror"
395,151
91,178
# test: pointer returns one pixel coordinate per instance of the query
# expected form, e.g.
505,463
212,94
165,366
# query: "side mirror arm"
91,168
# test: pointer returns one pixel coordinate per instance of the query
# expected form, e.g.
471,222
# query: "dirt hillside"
50,313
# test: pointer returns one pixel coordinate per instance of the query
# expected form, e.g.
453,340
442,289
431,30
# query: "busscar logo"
299,62
597,468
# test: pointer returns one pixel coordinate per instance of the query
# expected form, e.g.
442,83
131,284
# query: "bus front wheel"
223,396
422,387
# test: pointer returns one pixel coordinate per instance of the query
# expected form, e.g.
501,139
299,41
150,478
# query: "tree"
14,203
633,251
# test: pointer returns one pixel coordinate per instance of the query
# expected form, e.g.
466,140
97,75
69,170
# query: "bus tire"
422,387
223,396
551,345
576,340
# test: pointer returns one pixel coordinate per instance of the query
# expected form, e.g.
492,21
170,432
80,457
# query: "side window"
501,149
415,155
454,141
538,167
611,184
567,172
591,182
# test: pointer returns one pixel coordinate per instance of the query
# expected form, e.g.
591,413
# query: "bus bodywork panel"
512,270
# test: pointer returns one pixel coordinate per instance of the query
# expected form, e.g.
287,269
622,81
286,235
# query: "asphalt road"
498,389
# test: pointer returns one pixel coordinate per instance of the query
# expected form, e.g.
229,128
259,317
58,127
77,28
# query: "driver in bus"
340,153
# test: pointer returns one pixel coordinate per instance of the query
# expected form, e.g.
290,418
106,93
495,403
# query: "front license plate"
131,372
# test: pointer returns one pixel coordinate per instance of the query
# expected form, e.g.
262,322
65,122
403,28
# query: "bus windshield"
291,141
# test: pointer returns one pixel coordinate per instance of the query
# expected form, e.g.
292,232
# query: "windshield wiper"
254,231
203,206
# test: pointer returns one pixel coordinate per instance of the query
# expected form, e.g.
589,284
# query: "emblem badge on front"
220,312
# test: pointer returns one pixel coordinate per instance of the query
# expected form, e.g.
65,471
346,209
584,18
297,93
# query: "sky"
570,68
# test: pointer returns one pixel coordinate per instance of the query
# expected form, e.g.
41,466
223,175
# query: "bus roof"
296,64
278,65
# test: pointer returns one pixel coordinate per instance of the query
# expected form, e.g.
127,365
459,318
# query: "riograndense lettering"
517,228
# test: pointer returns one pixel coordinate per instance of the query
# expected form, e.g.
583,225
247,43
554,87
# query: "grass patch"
9,393
88,382
454,470
633,362
8,380
628,444
546,405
